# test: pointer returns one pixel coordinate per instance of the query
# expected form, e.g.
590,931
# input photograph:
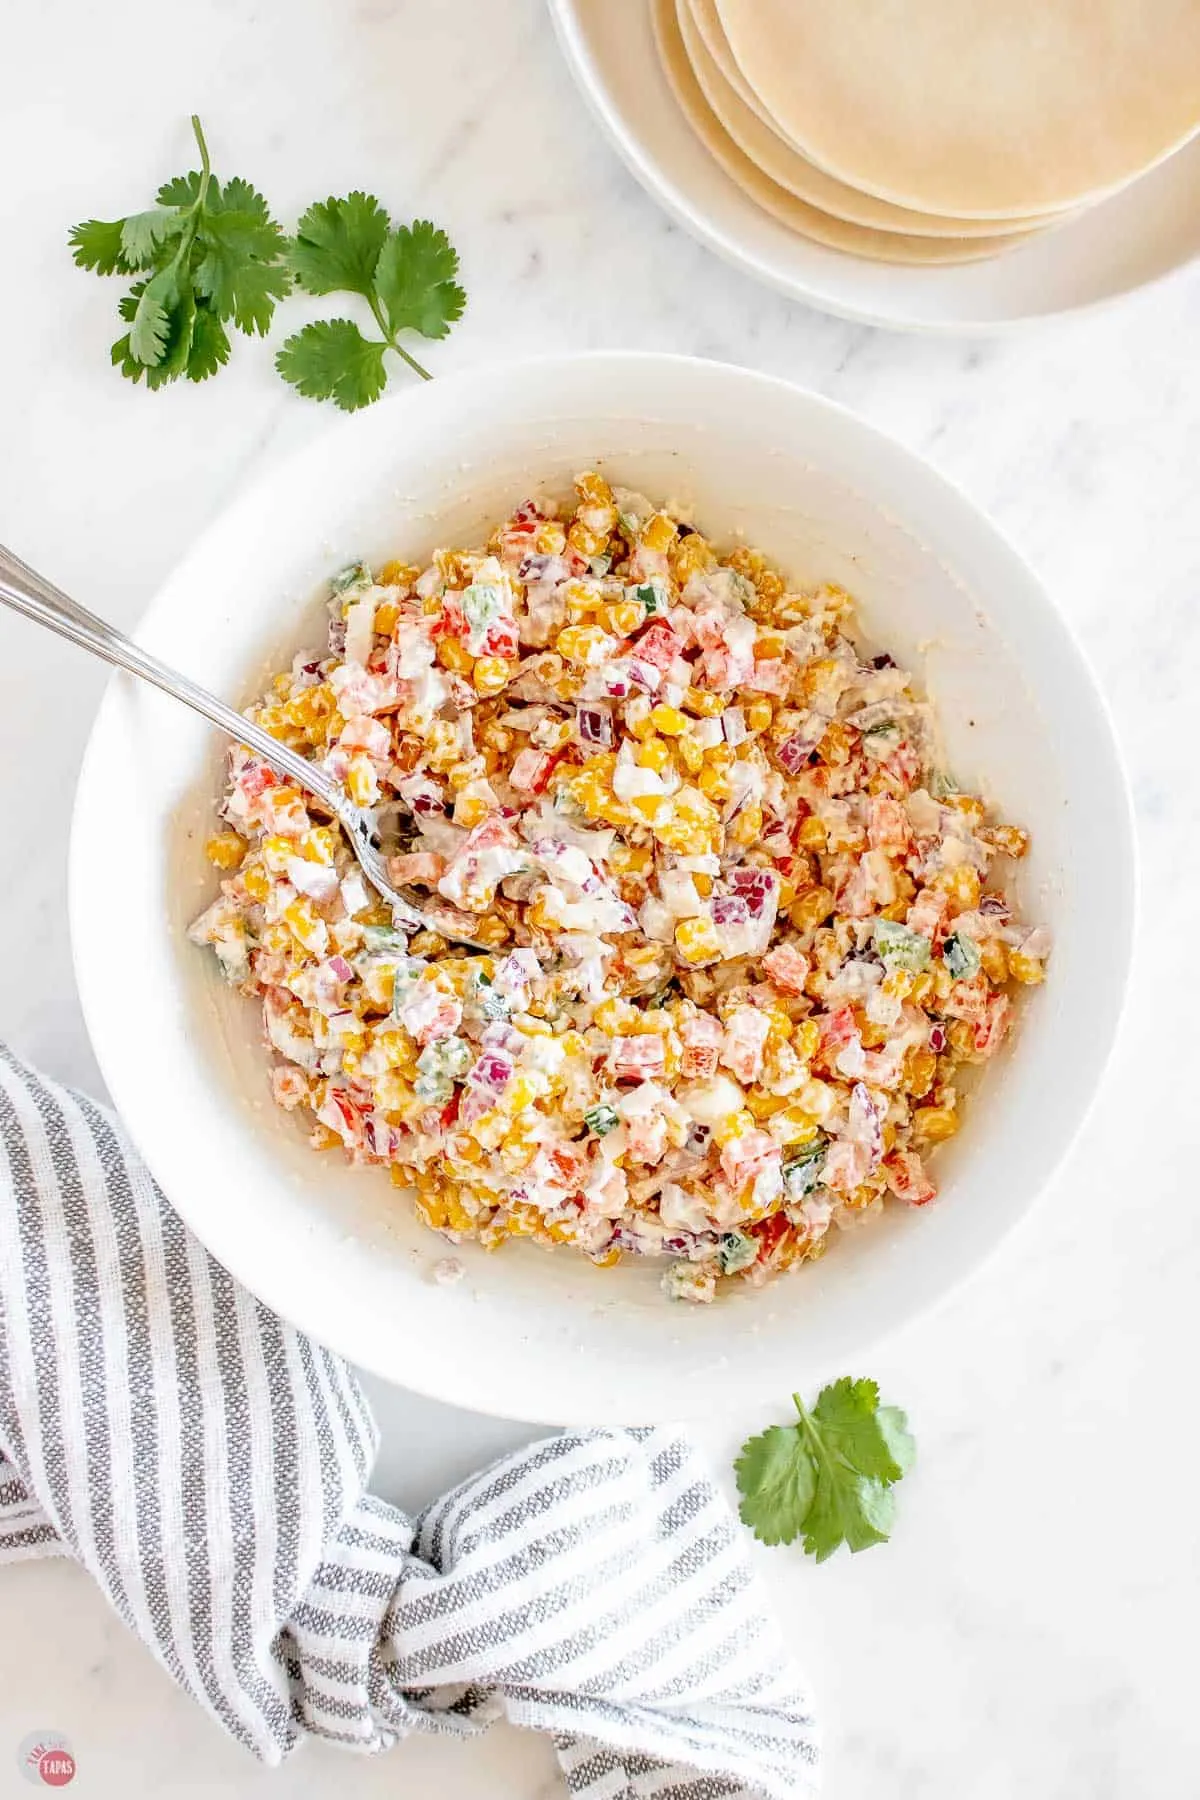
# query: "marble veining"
1028,1629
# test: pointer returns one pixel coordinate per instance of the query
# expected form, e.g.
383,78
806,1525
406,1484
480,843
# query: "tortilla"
970,107
808,221
785,165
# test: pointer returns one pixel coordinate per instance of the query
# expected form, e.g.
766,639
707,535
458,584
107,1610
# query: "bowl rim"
138,1114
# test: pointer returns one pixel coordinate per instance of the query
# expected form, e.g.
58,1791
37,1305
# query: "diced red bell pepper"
658,645
907,1179
787,968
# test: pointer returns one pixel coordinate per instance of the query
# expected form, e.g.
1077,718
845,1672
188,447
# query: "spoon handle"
32,595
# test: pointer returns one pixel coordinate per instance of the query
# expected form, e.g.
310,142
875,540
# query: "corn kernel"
426,943
654,753
491,674
397,574
550,539
492,931
690,754
836,744
256,882
1026,969
734,1125
658,533
812,834
690,556
385,617
806,1038
394,1094
454,655
586,644
817,1098
714,783
994,958
592,489
669,721
703,704
920,1067
746,828
319,844
697,941
1008,838
763,1106
961,883
585,540
793,1126
519,1095
921,989
623,616
362,784
759,713
935,1123
225,850
322,1138
649,807
309,931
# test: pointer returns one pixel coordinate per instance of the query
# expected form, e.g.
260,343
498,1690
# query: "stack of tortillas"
932,131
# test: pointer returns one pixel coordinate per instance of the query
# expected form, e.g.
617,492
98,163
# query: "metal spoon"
31,594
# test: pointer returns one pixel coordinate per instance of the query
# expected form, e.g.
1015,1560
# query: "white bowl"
529,1334
1135,237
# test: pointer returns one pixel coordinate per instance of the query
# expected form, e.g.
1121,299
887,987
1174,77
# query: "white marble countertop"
1030,1627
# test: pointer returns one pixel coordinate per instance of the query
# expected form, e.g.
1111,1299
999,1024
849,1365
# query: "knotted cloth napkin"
208,1465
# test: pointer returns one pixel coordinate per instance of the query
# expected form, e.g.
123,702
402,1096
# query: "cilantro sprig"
829,1478
208,254
407,275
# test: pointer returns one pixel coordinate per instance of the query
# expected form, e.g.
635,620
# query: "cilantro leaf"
850,1510
337,245
407,276
239,271
414,280
237,196
872,1439
210,345
829,1478
142,233
151,323
332,360
184,190
777,1480
205,254
96,244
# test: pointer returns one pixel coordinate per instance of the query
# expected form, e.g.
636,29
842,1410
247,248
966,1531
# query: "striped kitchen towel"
208,1465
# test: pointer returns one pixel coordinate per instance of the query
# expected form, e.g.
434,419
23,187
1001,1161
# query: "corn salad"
741,932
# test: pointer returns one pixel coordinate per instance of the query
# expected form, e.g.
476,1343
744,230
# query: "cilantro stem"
390,337
205,165
810,1430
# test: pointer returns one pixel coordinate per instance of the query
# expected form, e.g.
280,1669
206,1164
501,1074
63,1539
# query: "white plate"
1136,237
527,1333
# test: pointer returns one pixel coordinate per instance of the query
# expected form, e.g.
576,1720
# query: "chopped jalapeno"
901,948
961,955
802,1168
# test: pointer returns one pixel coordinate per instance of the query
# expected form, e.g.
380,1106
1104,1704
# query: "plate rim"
568,33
